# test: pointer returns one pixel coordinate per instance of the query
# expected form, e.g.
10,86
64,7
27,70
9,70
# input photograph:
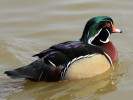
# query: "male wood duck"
91,55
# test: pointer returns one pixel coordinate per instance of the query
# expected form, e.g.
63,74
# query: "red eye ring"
108,25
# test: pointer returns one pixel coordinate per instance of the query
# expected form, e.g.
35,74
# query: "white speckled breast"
87,67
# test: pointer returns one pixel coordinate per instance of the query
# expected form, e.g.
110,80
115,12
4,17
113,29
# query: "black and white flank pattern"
63,72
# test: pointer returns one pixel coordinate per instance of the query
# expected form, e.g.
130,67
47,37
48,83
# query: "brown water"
30,26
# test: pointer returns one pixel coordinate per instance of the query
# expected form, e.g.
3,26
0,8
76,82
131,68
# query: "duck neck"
110,49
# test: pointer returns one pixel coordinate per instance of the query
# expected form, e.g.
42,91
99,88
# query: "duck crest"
90,26
98,30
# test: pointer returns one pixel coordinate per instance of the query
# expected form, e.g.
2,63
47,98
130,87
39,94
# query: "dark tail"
34,71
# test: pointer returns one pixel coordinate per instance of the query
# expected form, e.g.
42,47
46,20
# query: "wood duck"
91,55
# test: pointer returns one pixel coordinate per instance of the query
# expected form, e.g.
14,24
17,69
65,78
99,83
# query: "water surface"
28,27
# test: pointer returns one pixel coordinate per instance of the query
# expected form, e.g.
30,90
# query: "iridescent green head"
98,30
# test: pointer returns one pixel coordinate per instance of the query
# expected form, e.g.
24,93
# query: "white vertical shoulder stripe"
109,58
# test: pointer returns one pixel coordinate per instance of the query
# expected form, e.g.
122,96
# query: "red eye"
108,25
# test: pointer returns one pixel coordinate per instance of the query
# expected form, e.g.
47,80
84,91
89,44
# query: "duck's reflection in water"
72,89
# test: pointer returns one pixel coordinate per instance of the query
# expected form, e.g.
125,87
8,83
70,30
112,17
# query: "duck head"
98,30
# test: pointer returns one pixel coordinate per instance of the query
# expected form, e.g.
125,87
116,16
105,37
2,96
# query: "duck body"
68,60
72,59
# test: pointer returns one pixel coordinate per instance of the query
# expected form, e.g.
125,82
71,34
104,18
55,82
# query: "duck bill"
116,30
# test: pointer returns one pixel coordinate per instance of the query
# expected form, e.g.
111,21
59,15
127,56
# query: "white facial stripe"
108,31
91,39
108,20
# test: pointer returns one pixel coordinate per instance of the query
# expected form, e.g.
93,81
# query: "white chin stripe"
107,40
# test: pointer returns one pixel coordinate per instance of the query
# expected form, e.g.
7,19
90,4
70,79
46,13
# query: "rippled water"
30,26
